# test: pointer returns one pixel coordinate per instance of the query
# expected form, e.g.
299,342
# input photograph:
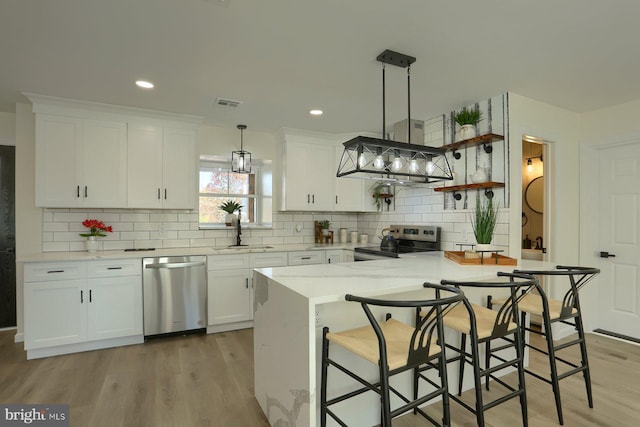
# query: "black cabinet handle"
306,257
77,191
86,192
55,271
313,198
336,200
606,255
308,198
158,194
246,282
81,297
90,295
165,194
114,268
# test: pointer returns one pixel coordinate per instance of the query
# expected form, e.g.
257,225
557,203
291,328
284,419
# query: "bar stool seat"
458,319
532,304
364,342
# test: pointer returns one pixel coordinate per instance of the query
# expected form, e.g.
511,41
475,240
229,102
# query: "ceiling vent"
225,102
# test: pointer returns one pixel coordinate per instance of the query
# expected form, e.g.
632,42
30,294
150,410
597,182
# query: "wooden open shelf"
472,142
490,184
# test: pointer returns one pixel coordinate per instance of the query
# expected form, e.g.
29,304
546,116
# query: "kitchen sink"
250,247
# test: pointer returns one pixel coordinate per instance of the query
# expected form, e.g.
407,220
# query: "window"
219,184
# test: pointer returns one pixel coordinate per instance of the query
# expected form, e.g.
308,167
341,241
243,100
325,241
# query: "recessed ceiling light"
315,112
144,84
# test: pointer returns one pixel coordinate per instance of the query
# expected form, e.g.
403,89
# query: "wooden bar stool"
484,326
394,347
552,311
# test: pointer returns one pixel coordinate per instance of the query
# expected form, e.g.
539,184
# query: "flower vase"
91,244
467,132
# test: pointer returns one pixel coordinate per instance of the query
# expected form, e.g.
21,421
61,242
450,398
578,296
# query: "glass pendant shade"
378,163
413,166
396,164
241,160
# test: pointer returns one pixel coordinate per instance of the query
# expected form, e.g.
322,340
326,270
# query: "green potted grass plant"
483,222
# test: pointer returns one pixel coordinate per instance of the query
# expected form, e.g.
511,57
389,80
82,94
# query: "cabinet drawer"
48,271
269,259
306,257
113,268
227,262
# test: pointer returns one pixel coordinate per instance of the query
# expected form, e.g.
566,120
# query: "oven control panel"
425,233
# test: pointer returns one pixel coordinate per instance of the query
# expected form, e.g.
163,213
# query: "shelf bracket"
488,193
457,154
457,195
487,148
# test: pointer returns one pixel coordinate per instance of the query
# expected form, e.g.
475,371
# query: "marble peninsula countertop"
323,283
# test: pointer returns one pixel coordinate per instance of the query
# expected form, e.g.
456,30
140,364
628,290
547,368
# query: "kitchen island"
292,304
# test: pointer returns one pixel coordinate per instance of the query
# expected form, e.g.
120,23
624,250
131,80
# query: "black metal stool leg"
323,380
585,361
463,346
555,383
477,380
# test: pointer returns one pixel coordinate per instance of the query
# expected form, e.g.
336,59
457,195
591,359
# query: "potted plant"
484,223
467,119
380,193
324,225
96,229
230,207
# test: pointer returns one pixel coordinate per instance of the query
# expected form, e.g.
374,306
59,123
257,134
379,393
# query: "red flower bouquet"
96,228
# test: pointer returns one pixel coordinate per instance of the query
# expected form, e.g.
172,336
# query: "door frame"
589,240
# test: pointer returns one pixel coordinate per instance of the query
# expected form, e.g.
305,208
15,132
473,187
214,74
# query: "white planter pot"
91,244
467,132
484,247
325,232
231,219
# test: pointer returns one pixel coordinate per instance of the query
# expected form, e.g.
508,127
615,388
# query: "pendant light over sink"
387,160
241,160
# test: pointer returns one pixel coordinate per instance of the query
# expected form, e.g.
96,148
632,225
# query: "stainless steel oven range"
408,239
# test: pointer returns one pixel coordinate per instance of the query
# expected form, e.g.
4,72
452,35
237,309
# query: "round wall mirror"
533,195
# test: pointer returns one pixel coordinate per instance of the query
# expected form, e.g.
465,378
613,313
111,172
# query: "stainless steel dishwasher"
175,294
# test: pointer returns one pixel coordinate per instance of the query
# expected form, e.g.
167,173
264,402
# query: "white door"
619,229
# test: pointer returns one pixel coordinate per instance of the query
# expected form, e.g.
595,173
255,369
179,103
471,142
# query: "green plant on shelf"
467,116
484,220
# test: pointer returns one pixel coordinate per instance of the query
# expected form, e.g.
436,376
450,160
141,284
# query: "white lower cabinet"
230,287
63,307
337,256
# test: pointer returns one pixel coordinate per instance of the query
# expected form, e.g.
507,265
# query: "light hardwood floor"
207,380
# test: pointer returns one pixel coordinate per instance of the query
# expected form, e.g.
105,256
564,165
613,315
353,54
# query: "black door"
7,237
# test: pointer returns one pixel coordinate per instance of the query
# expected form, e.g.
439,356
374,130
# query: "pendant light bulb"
396,164
413,166
431,167
362,160
529,165
378,163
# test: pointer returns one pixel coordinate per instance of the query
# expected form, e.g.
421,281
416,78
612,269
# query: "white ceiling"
284,57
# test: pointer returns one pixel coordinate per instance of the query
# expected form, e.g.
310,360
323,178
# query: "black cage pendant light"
241,160
392,161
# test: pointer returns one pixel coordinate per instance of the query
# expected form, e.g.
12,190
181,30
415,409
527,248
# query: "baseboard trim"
618,336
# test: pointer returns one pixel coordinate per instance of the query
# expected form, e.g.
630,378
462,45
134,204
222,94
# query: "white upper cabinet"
80,162
351,194
307,174
95,155
161,167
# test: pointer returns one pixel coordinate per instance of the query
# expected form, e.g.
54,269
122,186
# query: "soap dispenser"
526,243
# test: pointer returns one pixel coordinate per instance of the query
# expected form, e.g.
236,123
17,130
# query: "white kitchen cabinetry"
80,162
307,175
306,257
336,256
76,306
351,194
230,288
161,167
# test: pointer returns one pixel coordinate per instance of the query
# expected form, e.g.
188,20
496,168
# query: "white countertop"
159,252
329,283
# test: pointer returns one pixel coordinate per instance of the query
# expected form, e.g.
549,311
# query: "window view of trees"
217,185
